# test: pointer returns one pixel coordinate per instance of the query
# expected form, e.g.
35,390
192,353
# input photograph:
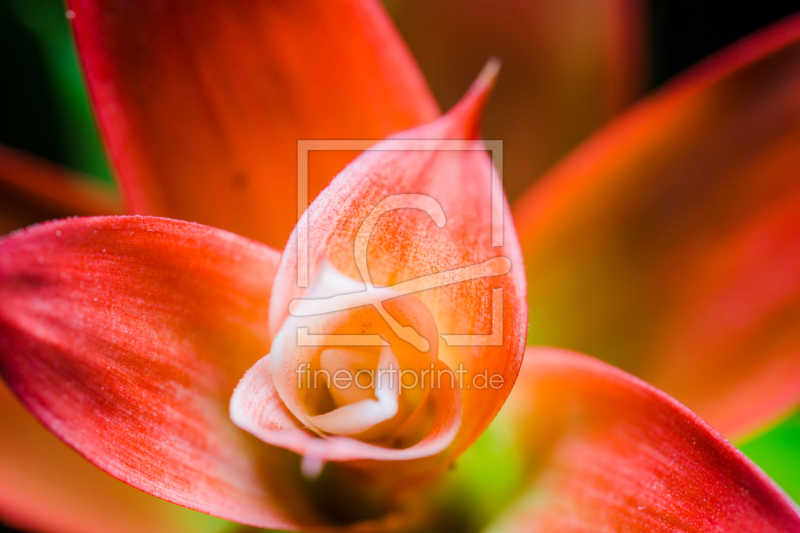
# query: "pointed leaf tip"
469,110
489,73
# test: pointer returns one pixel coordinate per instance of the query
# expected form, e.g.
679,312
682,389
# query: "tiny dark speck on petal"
240,180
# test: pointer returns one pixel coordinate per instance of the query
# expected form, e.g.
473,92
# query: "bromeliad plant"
168,353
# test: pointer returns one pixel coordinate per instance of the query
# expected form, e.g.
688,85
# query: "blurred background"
44,108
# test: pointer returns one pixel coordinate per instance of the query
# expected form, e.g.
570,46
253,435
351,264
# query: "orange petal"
125,336
609,452
449,184
667,245
202,103
568,66
33,190
45,486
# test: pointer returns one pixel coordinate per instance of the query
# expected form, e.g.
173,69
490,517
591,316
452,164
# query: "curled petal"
355,416
667,244
294,389
608,452
257,408
202,104
415,216
125,336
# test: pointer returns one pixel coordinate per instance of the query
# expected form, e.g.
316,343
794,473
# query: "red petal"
125,336
33,190
47,487
202,103
406,244
568,66
660,245
611,453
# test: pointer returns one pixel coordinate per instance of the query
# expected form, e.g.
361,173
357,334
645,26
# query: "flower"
140,341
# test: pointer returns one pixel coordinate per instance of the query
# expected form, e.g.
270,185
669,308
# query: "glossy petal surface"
667,244
202,103
609,452
568,66
126,335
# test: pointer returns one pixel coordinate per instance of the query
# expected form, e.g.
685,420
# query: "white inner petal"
348,383
361,415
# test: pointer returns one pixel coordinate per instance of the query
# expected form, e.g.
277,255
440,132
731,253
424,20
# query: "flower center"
363,391
350,375
353,369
